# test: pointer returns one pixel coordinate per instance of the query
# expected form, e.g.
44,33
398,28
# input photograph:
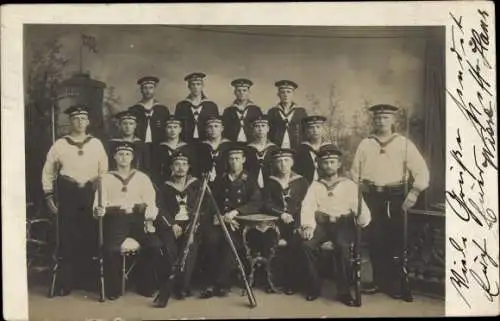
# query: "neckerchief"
79,145
124,181
330,188
383,144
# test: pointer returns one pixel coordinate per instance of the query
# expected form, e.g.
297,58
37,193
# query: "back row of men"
262,164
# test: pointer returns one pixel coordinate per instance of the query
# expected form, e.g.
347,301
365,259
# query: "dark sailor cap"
127,114
286,84
179,156
236,148
123,145
242,82
383,109
283,152
315,119
329,151
148,80
194,76
213,119
173,120
262,119
79,109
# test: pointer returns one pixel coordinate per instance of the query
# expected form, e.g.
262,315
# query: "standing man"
238,117
127,123
129,210
195,109
332,202
259,151
283,196
386,161
179,198
172,145
285,118
211,153
305,161
151,117
236,194
71,169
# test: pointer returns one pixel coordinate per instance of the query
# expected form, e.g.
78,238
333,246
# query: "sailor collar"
385,143
189,99
245,106
293,177
79,145
293,106
209,143
312,148
189,180
330,188
179,145
123,180
268,144
155,103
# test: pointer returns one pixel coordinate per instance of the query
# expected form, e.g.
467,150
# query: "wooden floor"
81,305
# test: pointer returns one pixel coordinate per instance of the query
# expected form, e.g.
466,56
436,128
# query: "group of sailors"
278,163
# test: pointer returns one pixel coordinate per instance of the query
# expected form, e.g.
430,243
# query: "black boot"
161,299
347,299
207,293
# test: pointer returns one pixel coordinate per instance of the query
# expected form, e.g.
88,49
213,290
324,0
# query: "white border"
13,17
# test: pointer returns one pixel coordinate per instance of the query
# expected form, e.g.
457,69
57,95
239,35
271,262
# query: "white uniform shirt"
382,162
336,201
82,164
126,192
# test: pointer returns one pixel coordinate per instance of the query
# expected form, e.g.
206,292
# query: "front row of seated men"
129,206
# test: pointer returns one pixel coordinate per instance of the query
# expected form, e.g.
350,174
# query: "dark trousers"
342,234
218,257
152,264
77,232
385,234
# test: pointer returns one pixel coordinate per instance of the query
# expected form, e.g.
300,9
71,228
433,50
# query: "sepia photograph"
214,171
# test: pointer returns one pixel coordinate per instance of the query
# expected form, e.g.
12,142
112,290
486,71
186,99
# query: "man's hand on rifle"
99,212
307,232
229,218
410,200
177,230
52,205
287,218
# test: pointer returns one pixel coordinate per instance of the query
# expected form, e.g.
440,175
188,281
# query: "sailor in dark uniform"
386,160
179,197
329,213
71,169
211,153
170,146
259,161
195,109
235,194
127,123
129,210
238,117
305,160
286,117
283,195
151,117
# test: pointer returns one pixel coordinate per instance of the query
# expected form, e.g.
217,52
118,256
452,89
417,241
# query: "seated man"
179,199
283,195
331,201
236,194
127,202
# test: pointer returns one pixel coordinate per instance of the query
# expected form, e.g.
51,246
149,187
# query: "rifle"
56,259
403,260
249,291
356,251
102,293
161,300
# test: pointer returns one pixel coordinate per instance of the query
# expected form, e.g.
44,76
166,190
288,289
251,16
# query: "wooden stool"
129,248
